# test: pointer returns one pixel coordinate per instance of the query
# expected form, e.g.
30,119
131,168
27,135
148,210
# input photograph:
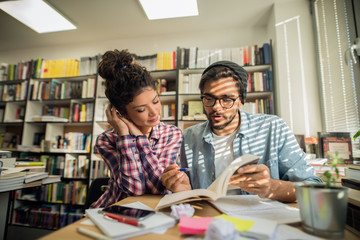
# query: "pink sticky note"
194,225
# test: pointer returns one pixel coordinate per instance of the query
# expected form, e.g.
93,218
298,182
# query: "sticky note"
240,224
194,225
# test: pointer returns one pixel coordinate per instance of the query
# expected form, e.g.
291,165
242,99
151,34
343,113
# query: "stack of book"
352,176
11,179
34,179
352,181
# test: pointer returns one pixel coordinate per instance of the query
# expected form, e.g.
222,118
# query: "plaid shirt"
137,163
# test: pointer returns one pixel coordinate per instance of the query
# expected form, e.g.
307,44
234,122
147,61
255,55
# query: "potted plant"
323,207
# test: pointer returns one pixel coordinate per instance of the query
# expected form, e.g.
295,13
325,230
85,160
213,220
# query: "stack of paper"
252,205
11,179
117,230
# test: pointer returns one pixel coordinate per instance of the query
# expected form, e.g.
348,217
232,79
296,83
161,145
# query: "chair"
96,189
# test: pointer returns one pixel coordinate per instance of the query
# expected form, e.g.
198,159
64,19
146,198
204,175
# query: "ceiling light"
37,15
160,9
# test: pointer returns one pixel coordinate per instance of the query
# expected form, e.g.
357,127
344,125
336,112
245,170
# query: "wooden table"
203,209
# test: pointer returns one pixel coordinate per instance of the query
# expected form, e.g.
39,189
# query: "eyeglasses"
225,102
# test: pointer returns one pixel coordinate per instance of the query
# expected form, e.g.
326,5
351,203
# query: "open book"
216,190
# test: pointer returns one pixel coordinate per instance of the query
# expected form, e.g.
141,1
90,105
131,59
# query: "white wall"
298,101
143,46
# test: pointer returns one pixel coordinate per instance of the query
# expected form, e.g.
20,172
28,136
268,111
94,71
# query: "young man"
209,147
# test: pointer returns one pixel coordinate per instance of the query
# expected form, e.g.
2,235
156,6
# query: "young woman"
138,147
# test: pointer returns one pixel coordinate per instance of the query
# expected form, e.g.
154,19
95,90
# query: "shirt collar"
244,124
155,132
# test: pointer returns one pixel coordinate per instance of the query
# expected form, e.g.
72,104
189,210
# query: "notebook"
117,230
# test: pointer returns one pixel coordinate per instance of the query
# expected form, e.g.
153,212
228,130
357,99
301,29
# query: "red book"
76,112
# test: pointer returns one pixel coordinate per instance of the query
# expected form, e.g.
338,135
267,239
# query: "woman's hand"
122,125
133,129
174,180
115,120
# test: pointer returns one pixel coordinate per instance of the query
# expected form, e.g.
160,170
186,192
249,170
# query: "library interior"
302,61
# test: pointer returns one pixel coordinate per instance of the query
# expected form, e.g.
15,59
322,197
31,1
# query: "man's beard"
222,126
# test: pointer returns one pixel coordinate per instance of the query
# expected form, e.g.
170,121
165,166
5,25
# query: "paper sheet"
252,205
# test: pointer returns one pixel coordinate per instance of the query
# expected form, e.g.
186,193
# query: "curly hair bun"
124,78
114,61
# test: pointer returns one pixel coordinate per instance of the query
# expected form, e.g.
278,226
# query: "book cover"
216,190
351,183
352,173
195,108
266,53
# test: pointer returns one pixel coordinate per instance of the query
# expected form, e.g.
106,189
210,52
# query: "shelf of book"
54,109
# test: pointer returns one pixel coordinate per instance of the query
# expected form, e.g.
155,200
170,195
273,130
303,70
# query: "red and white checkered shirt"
137,163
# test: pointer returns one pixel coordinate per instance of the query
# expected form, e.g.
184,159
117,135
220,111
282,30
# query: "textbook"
35,176
216,190
118,230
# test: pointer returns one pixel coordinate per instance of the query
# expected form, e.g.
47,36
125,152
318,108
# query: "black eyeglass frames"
225,102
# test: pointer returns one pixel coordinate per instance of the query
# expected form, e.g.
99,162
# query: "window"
335,27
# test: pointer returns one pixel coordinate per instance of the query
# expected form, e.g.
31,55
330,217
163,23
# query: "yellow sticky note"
240,224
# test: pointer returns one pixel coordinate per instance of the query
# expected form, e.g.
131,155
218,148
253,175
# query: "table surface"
202,208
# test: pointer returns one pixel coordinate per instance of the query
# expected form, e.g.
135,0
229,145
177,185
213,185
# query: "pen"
123,219
92,234
185,169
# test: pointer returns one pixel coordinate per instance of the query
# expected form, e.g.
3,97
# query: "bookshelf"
47,112
193,61
13,94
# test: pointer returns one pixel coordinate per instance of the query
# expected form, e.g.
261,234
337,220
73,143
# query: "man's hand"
174,180
253,179
256,179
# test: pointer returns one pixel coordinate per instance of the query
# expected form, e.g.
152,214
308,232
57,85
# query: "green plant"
334,161
357,135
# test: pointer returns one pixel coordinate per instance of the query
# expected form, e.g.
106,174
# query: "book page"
220,185
254,206
185,196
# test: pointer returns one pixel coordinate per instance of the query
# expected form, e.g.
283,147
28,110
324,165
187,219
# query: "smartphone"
131,213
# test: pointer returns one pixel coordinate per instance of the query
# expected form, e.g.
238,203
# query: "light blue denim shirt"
266,136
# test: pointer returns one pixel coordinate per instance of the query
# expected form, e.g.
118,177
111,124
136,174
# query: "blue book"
267,54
